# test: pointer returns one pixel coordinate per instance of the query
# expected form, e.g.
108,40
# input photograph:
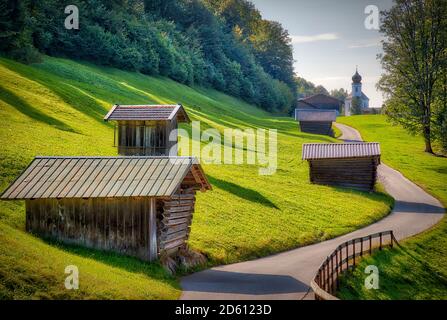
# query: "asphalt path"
287,275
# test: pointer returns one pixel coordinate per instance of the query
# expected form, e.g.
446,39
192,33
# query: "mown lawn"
56,108
419,269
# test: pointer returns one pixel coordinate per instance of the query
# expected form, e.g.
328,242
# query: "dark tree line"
221,44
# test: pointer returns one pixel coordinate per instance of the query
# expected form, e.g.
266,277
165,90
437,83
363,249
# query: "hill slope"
56,108
417,270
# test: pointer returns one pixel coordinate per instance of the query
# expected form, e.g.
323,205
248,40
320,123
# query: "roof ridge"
114,157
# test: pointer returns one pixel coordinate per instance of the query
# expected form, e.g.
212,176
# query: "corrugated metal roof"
315,115
340,150
147,112
101,177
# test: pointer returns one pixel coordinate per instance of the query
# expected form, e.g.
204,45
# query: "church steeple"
356,84
356,78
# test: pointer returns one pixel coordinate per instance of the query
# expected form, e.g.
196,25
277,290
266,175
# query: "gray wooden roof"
147,112
315,115
313,151
101,177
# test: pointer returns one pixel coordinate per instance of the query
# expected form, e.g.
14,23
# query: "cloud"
329,78
366,44
314,38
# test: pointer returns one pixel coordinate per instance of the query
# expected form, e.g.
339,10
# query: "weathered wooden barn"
320,101
144,130
316,121
138,206
352,165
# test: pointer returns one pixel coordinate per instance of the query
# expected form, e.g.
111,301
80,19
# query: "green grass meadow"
56,108
418,270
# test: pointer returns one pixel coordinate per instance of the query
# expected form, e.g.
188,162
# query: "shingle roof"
319,101
99,177
315,115
313,151
147,112
321,98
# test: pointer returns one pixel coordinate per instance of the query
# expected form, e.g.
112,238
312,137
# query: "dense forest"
223,44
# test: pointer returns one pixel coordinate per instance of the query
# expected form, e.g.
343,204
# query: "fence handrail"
325,282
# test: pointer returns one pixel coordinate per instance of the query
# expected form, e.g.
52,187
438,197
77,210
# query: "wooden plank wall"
172,125
357,173
117,224
176,221
144,138
317,127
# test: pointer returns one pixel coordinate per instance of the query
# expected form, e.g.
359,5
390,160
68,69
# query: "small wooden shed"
144,130
316,121
352,165
138,206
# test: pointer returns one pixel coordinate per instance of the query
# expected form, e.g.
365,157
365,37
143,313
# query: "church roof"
363,97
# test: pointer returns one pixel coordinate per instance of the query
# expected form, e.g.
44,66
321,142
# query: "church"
356,92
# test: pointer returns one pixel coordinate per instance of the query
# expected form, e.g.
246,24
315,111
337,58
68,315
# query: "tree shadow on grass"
241,192
153,270
60,87
25,108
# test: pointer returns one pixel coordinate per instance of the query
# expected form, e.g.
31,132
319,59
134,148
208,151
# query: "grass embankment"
56,108
419,269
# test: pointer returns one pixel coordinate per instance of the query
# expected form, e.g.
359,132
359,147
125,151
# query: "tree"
186,40
356,106
339,94
306,88
413,59
440,112
321,89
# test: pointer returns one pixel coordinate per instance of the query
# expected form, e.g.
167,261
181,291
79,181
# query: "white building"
356,92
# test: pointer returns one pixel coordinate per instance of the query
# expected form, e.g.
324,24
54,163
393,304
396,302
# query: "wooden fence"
326,281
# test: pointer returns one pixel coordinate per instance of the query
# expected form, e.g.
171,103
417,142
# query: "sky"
330,39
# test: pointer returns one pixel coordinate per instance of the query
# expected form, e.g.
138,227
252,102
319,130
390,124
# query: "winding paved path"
287,275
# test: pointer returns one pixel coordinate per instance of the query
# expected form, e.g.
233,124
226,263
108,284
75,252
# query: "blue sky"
329,39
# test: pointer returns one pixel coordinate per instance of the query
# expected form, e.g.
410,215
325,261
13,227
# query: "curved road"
287,275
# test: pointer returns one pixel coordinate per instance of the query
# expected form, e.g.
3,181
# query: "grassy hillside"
419,269
56,108
404,152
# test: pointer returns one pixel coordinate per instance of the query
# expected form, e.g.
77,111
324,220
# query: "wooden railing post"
324,284
361,247
347,256
336,269
392,239
380,245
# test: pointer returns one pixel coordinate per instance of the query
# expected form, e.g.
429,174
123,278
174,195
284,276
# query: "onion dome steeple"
356,78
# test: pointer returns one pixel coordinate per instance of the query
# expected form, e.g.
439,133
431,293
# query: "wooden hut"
144,130
316,121
138,206
320,101
352,165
